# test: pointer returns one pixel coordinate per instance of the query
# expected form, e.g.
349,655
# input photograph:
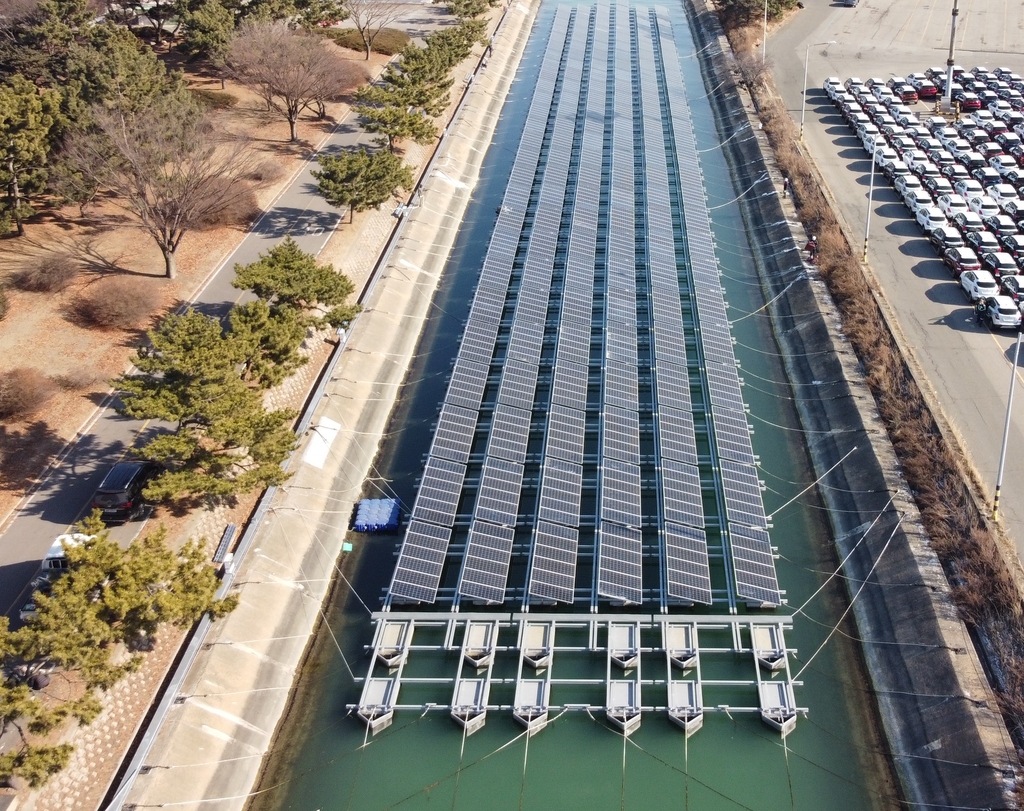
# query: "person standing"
785,186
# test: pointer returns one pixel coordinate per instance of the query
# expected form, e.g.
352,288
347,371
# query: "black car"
119,496
981,242
1000,225
955,171
1012,286
999,264
936,186
943,237
1013,245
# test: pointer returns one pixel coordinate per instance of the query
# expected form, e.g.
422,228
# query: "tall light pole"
1006,429
803,98
764,35
947,96
871,190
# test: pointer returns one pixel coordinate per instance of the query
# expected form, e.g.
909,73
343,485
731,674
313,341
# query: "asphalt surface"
966,365
66,491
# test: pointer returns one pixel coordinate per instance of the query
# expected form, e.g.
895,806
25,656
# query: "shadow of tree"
24,452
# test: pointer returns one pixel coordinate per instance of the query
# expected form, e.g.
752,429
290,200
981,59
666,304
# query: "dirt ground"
40,330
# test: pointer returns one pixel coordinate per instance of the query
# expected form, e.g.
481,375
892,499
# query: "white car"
906,183
1002,313
1002,163
914,156
978,284
916,199
958,147
884,155
982,206
832,86
1002,193
968,187
980,117
930,218
951,204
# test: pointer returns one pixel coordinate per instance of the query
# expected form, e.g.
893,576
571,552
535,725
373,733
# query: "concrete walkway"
211,747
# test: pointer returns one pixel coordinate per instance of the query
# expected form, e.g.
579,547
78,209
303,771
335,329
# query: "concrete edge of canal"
213,743
946,739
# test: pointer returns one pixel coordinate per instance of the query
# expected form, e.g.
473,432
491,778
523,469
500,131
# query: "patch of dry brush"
983,587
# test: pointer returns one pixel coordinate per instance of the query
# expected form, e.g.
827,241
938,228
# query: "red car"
960,259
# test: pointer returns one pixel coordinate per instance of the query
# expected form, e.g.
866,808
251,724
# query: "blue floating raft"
377,515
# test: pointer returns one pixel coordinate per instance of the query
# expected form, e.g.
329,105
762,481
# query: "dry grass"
48,274
23,392
117,302
983,587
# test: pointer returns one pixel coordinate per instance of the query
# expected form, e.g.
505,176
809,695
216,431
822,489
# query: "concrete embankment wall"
946,740
210,749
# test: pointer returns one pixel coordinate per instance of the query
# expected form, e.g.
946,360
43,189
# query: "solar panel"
681,493
754,565
418,571
676,438
518,384
732,435
620,435
566,433
620,493
466,388
574,343
743,502
453,436
485,566
620,567
438,496
553,569
672,386
525,341
569,384
500,485
686,564
510,433
620,386
559,498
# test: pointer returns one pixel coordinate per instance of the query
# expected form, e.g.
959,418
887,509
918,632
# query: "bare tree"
339,77
370,17
166,165
288,69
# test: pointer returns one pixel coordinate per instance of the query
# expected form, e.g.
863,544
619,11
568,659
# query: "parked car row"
961,180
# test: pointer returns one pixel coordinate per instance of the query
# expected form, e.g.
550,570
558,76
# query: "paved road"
64,496
967,366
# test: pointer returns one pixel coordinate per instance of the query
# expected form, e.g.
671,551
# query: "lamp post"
764,35
803,98
1006,430
871,190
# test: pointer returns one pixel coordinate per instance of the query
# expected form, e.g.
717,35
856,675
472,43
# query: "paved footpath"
209,751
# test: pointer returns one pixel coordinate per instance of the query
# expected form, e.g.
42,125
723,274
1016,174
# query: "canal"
325,759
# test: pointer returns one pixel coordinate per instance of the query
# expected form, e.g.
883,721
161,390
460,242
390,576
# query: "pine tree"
287,278
267,341
381,111
361,179
224,441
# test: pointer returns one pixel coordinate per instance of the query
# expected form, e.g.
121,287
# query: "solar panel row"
744,506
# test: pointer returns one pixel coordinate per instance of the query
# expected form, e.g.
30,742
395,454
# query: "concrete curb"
947,741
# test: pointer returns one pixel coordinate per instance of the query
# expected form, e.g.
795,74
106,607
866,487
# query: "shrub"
51,274
388,42
241,208
117,302
215,99
23,392
5,303
265,173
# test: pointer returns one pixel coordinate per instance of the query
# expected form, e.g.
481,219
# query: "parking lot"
965,364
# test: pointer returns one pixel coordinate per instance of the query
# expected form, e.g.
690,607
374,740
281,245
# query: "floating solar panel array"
685,567
750,547
488,552
620,552
552,574
421,558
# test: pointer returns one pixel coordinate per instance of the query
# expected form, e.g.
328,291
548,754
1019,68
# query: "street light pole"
1006,429
871,190
947,96
803,98
764,35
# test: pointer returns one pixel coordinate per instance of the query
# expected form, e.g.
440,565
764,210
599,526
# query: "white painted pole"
1006,428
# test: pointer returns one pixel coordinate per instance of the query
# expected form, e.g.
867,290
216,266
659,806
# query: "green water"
324,759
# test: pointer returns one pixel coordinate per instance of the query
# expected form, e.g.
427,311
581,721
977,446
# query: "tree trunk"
15,192
291,127
170,263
